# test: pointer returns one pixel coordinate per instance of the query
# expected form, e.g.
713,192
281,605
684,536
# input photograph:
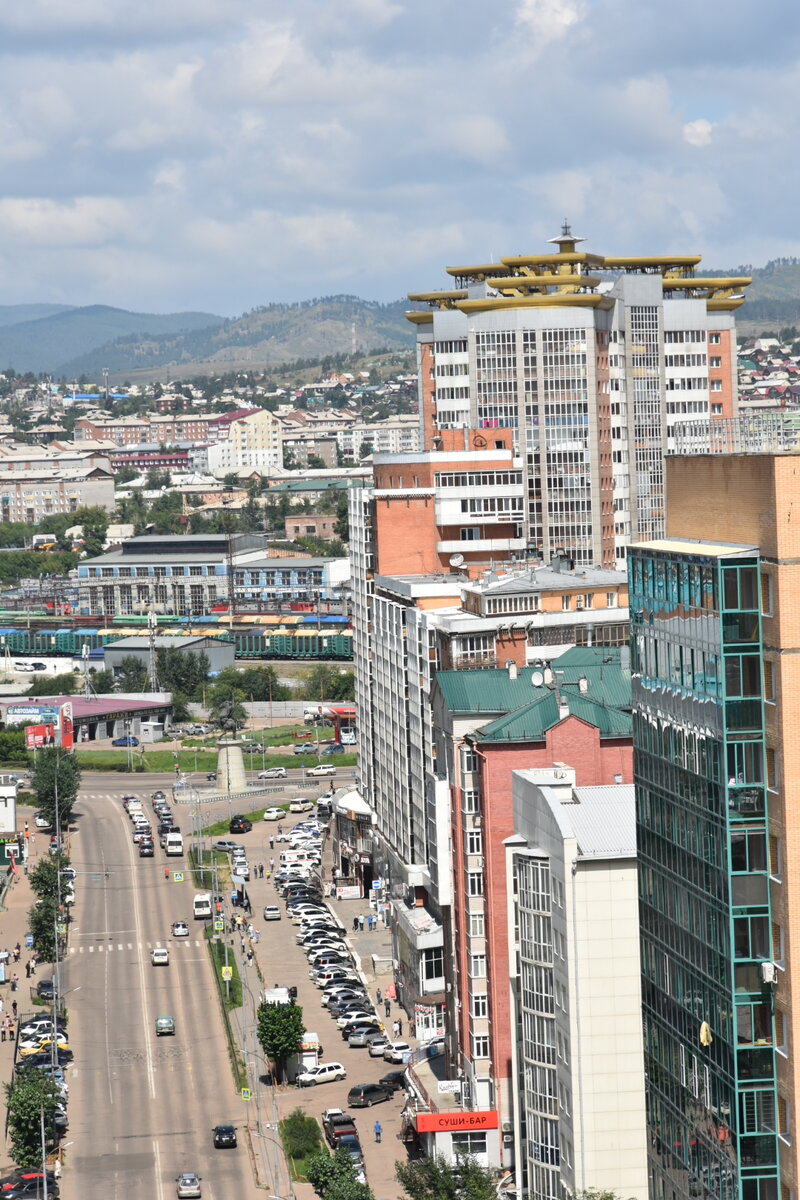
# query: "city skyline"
211,156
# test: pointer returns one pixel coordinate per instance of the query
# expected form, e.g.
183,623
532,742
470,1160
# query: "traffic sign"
247,1094
61,928
219,925
177,876
227,974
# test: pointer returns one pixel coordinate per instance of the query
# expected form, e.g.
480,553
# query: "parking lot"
283,963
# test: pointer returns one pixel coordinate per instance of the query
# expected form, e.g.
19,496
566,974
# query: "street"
141,1108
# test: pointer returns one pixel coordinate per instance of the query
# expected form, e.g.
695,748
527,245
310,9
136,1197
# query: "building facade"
591,361
575,1021
707,940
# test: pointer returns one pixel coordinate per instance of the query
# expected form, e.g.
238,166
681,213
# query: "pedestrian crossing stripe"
130,946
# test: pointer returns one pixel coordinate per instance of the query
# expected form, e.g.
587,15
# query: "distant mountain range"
68,342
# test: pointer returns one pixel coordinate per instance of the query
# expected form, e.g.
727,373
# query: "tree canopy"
437,1179
28,1097
182,671
280,1030
132,675
324,682
56,779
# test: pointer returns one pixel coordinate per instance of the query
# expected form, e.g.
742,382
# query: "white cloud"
221,153
698,133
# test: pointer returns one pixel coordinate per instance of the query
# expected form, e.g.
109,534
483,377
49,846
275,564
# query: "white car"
159,956
273,773
324,1073
396,1051
300,806
180,929
241,868
323,769
41,822
274,814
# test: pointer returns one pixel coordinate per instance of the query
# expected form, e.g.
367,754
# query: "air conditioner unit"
508,1138
768,972
507,1127
578,602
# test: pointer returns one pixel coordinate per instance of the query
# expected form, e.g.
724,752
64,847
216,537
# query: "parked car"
125,741
336,748
324,1073
224,846
147,849
274,814
336,1124
272,912
376,1045
273,773
395,1052
361,1036
364,1095
300,805
394,1080
305,748
158,796
240,824
45,989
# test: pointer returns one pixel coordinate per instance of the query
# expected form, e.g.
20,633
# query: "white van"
173,844
201,906
297,858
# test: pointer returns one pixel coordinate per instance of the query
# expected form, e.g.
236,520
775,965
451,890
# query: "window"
474,883
474,841
716,385
471,534
566,603
766,594
769,682
477,966
469,761
479,1006
713,339
477,925
471,1144
611,599
715,362
433,963
470,800
480,1045
775,856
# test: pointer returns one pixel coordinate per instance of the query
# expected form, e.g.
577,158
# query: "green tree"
180,707
333,1177
94,522
12,746
166,514
42,928
437,1179
44,876
182,671
132,674
255,683
301,1134
56,779
342,526
324,682
280,1030
29,1098
102,681
54,685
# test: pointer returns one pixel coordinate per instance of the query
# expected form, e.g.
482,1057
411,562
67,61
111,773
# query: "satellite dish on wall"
537,679
456,560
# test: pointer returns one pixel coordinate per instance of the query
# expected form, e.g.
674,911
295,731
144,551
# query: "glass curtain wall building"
701,811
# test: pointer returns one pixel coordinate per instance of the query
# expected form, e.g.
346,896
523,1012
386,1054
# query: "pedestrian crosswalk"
109,947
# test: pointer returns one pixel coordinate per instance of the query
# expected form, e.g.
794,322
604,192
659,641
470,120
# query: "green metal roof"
531,722
494,691
315,485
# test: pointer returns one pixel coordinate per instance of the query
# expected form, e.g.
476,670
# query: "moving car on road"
180,929
126,741
188,1185
224,1137
164,1027
273,773
364,1095
160,956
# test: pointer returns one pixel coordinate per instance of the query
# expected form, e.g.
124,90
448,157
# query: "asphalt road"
141,1108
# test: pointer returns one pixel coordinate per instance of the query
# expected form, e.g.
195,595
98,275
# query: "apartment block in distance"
755,496
590,360
705,807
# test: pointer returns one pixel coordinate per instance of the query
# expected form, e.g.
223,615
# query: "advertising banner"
67,726
37,736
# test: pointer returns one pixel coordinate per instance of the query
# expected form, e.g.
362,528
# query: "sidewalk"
373,955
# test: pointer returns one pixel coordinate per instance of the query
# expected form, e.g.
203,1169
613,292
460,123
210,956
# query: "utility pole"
229,526
152,629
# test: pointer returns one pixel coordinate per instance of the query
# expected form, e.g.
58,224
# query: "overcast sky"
220,154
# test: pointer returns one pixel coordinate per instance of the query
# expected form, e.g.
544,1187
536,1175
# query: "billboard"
45,714
37,736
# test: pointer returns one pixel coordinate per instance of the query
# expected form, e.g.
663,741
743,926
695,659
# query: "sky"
217,155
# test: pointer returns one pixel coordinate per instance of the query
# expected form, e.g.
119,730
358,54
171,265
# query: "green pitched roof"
494,691
531,722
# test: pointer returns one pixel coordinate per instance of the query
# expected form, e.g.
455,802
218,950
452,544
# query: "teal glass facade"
701,810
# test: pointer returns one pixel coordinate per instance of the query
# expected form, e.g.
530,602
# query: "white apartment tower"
592,361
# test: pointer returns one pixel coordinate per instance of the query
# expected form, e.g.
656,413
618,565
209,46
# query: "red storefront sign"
456,1122
37,736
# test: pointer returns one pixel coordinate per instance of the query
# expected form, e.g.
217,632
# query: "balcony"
421,929
481,545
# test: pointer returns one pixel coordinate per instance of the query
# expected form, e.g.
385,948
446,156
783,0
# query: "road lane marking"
143,988
159,1182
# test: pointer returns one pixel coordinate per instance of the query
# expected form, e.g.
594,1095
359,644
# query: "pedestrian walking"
249,958
378,996
25,868
244,947
355,924
387,1008
28,969
272,864
33,966
271,841
57,1170
412,1028
370,919
400,1028
14,985
378,1131
261,870
361,923
3,1032
2,1005
17,952
257,936
395,1029
14,1006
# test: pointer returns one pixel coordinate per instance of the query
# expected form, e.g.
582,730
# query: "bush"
301,1134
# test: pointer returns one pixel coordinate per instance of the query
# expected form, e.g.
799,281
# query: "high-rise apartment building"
591,361
753,497
704,827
